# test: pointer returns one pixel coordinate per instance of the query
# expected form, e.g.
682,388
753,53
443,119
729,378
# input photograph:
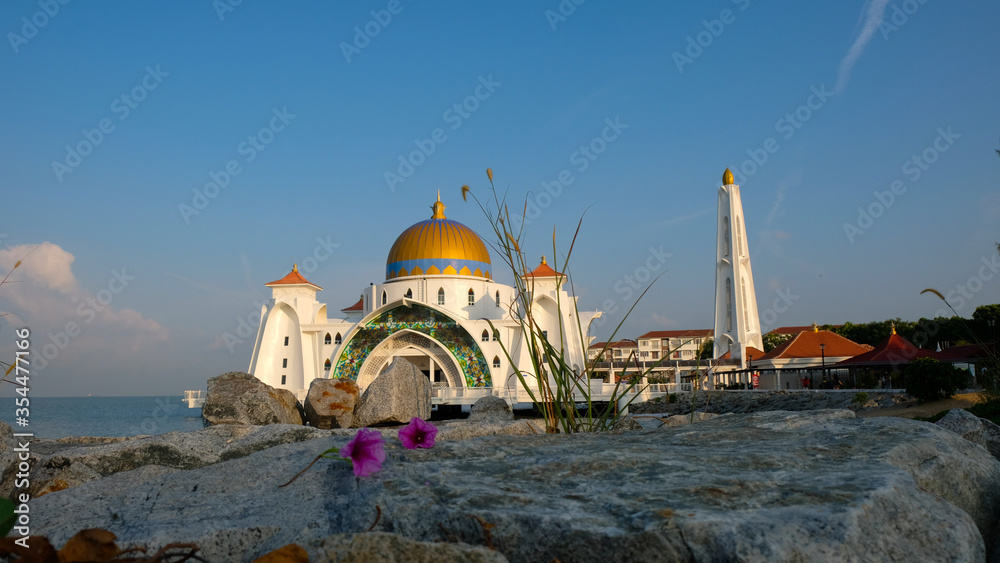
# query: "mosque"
434,309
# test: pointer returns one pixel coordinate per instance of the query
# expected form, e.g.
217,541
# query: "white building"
434,308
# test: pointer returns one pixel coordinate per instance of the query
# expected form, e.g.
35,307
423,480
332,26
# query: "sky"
161,162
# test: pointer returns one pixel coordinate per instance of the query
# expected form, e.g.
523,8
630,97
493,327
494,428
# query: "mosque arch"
441,296
410,343
408,294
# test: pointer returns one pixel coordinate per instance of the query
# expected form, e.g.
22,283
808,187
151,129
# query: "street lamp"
822,352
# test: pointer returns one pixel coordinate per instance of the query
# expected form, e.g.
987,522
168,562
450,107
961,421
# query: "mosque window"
496,335
496,362
725,227
286,341
284,362
408,294
337,340
328,339
326,365
743,289
486,335
441,296
739,236
498,299
282,379
729,305
472,297
383,297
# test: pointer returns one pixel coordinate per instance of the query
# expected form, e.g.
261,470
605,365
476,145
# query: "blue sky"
838,97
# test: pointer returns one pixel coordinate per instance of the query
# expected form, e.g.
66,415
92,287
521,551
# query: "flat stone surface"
776,486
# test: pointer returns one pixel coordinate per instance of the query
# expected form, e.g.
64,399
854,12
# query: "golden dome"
438,247
727,177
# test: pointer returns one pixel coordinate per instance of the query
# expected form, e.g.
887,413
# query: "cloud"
661,320
78,331
873,12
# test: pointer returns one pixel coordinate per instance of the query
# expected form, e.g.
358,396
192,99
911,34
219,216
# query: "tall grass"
554,387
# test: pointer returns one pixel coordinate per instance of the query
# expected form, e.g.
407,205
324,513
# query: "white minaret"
736,323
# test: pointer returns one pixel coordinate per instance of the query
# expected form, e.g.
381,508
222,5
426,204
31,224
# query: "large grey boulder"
974,429
773,486
398,394
330,403
240,398
490,408
60,464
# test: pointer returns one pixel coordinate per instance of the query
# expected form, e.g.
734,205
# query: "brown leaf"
39,550
92,545
291,553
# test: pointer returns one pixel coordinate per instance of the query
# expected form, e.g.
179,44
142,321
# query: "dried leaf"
39,550
935,292
16,265
489,174
465,191
291,553
92,545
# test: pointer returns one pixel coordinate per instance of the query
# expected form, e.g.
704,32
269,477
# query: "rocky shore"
776,485
720,402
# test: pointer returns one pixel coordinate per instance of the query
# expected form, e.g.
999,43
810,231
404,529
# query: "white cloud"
873,11
74,330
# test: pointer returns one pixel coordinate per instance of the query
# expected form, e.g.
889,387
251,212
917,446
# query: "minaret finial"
815,327
894,327
438,208
727,177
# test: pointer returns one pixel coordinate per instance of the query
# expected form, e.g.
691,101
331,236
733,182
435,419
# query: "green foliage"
772,341
707,350
929,380
860,399
672,398
988,409
6,517
554,386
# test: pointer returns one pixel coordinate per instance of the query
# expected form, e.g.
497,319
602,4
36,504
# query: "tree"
707,350
929,380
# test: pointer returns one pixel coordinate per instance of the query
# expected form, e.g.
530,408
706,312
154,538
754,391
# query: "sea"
61,417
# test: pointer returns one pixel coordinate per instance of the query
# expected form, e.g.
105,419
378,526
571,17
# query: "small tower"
736,322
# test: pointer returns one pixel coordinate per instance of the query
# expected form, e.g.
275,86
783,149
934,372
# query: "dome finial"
894,328
438,208
295,268
815,327
543,260
727,177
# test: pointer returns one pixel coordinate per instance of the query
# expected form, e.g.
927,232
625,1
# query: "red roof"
598,345
543,271
751,353
293,278
359,306
892,351
700,333
623,344
966,353
806,345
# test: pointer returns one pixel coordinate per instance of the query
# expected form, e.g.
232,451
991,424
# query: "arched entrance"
424,352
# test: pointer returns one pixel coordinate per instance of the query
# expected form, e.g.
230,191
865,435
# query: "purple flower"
365,451
418,434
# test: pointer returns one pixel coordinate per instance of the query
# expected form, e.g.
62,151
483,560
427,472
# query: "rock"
398,394
965,424
683,419
240,398
57,466
767,486
974,429
491,408
383,547
626,424
330,403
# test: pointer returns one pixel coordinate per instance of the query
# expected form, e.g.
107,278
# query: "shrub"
929,380
860,399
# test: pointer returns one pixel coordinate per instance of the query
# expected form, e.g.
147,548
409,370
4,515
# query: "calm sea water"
59,417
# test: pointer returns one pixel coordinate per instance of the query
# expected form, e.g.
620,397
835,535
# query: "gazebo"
881,364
